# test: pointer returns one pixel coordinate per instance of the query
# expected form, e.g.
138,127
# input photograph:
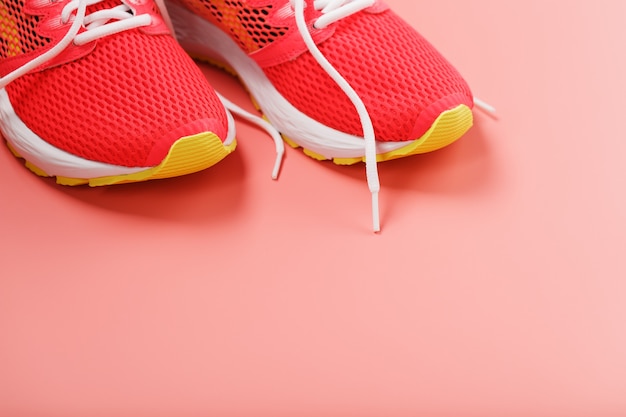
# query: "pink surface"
496,287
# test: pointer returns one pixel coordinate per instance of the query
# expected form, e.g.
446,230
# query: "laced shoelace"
97,25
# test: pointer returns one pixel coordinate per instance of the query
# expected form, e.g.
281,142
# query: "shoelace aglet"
280,153
375,212
278,142
484,106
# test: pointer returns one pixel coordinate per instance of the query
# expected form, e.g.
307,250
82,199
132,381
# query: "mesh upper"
115,103
395,71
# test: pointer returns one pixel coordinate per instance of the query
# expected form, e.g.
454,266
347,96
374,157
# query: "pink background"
496,288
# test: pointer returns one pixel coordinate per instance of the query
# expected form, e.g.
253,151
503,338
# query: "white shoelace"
335,10
98,25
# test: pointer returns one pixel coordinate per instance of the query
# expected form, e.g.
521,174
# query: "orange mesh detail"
17,30
395,71
113,104
247,25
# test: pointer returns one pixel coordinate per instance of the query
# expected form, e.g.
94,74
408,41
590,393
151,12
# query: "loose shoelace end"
280,152
375,212
484,106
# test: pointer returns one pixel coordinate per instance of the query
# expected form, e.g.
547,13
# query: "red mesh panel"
114,103
395,71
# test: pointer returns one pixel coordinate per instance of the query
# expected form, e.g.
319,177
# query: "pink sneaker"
99,92
347,80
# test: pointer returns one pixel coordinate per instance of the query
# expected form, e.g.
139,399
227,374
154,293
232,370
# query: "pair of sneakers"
99,92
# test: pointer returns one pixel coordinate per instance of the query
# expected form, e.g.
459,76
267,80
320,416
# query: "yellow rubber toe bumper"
187,155
447,128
